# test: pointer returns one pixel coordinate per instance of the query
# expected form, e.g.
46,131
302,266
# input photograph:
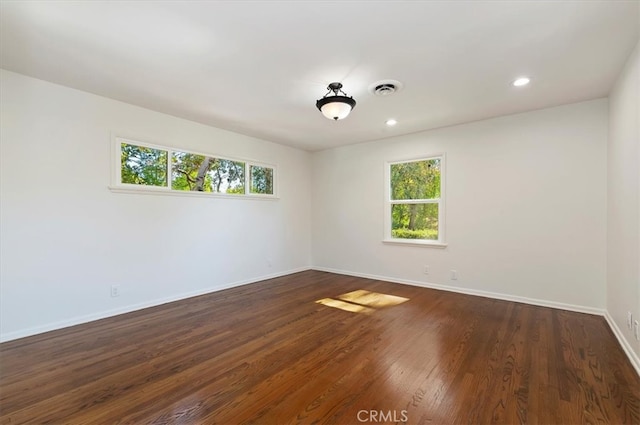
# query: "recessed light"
522,81
391,122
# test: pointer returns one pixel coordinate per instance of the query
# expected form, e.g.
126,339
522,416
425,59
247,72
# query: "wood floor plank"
316,347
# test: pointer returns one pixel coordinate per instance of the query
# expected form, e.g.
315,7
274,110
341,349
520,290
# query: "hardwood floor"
269,353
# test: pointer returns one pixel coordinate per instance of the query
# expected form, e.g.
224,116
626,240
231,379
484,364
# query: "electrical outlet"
426,270
454,275
629,320
636,329
115,290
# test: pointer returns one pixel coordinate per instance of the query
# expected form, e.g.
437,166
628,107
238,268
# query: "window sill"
414,242
162,191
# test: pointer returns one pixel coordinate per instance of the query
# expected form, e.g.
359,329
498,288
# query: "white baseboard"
467,291
633,357
127,309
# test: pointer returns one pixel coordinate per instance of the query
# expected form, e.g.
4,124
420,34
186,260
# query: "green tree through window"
191,172
143,166
261,180
206,174
415,191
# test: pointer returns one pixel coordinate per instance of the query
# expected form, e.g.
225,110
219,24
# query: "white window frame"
118,186
388,202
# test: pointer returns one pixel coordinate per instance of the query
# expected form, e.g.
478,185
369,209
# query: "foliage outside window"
415,208
143,166
261,180
206,174
149,166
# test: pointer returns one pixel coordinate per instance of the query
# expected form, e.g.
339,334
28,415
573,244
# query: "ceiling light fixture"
522,81
336,106
391,122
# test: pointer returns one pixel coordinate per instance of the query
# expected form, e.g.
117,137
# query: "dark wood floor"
269,353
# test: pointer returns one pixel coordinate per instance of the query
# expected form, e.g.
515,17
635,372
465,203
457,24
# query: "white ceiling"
257,67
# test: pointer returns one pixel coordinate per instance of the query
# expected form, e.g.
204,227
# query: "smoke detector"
385,87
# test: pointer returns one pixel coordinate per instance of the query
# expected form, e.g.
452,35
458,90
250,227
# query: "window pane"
206,174
416,180
261,180
189,172
227,176
144,166
414,221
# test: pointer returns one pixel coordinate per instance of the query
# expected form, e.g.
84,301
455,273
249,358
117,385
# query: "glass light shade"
335,107
336,110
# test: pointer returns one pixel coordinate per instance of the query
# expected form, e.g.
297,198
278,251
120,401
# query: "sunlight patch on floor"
362,301
372,299
354,308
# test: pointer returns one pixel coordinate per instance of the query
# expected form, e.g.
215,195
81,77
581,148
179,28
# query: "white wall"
66,238
525,207
623,245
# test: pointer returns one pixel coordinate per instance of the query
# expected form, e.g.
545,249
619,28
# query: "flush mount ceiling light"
391,122
522,81
335,106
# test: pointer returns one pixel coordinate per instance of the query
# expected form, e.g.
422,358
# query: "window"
143,166
261,180
146,167
201,173
414,201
